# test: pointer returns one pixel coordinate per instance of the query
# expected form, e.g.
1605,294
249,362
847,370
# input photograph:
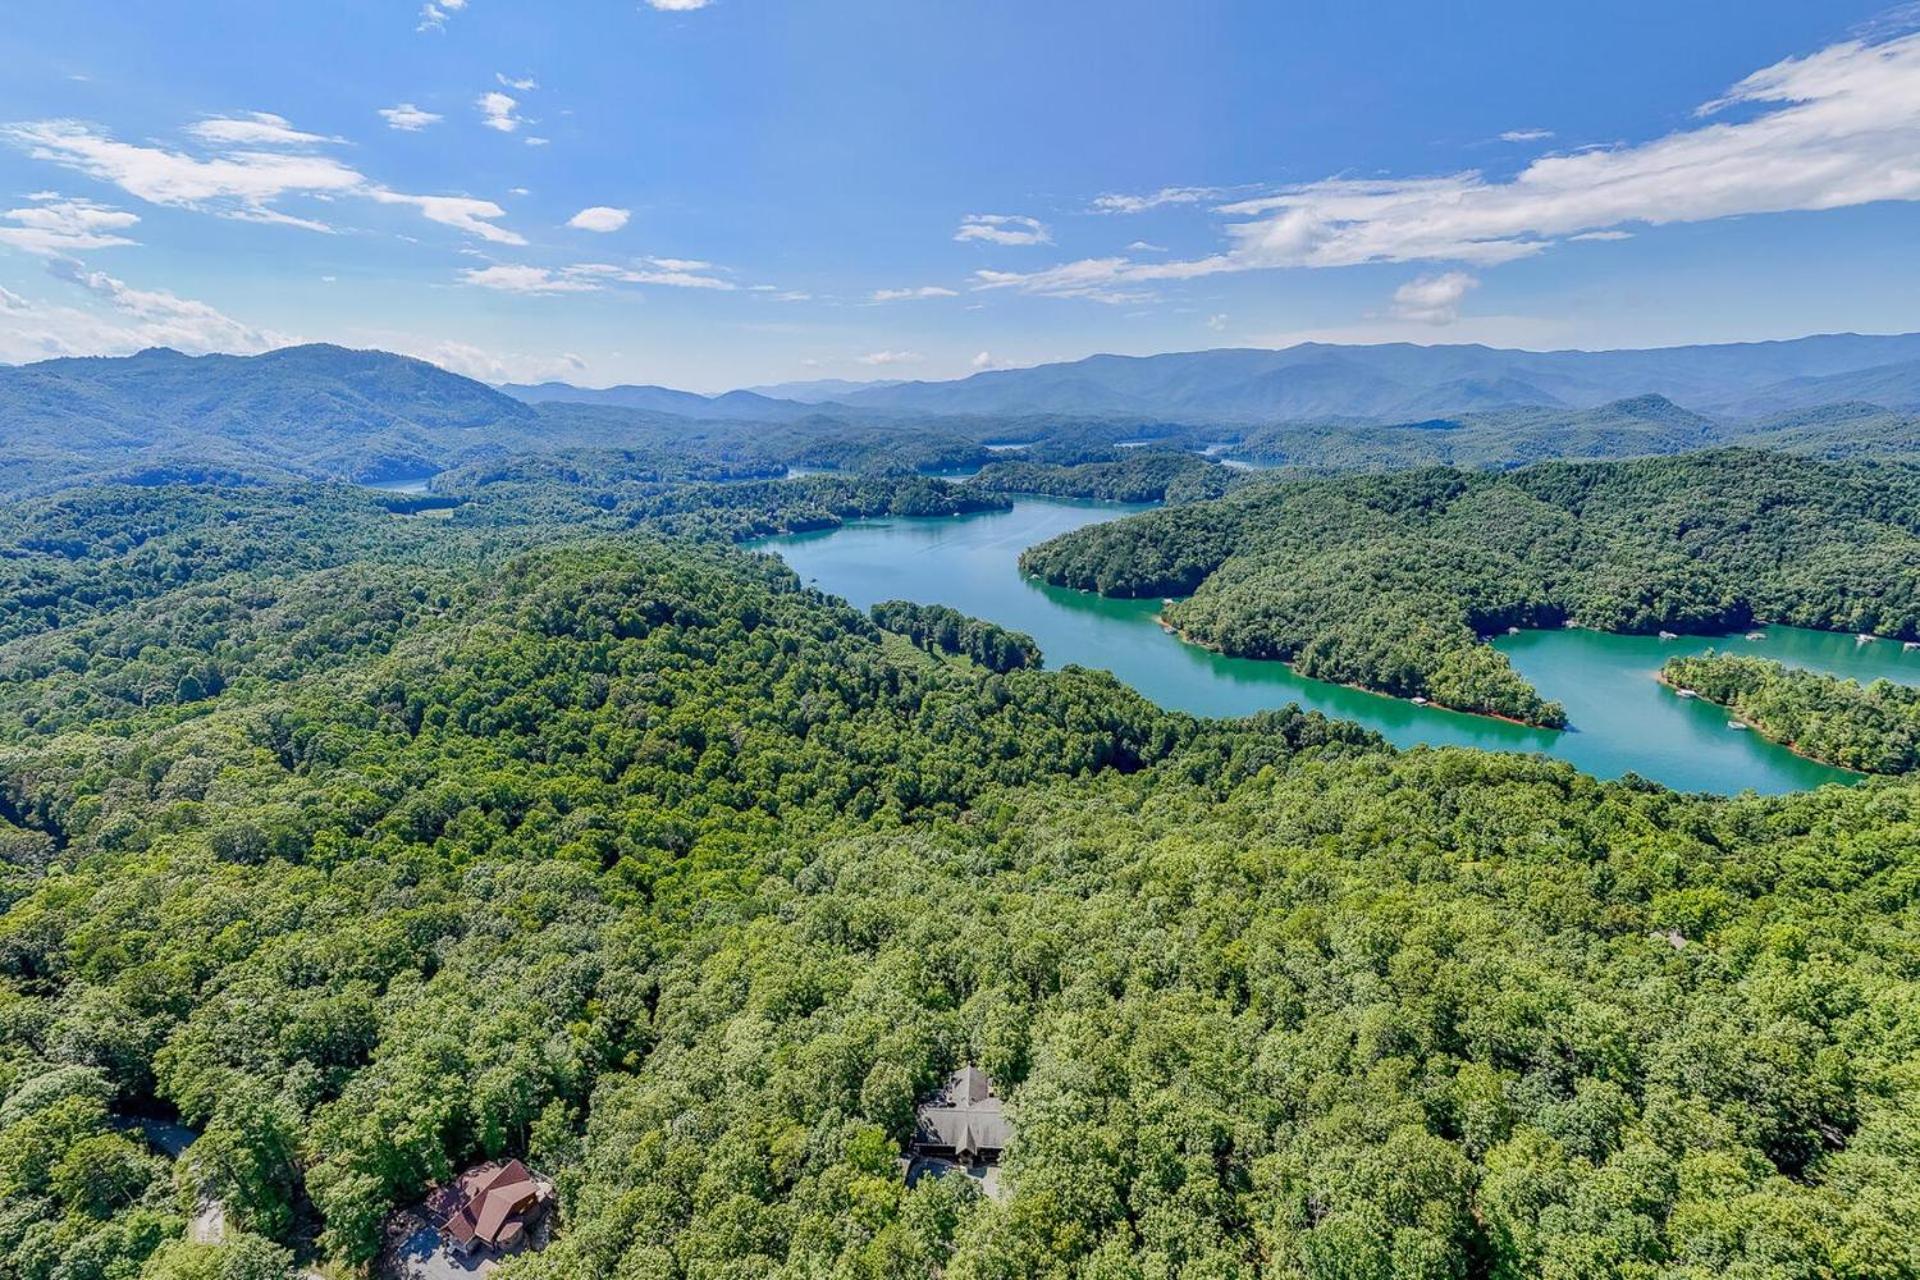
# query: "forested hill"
1872,727
386,846
1388,581
326,413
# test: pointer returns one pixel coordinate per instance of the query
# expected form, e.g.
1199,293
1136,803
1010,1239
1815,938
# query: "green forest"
368,840
1390,581
1874,727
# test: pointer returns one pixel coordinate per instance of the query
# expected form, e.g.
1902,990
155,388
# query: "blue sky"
749,191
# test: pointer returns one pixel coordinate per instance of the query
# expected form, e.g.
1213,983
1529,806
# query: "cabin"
964,1123
491,1207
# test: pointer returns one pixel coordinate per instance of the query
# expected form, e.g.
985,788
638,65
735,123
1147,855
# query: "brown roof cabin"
491,1206
965,1122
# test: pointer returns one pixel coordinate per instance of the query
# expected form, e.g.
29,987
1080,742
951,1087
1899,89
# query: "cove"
1623,720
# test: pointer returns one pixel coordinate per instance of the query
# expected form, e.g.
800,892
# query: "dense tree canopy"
369,844
1387,581
1873,727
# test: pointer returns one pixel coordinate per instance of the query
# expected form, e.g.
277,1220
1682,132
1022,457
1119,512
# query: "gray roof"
965,1116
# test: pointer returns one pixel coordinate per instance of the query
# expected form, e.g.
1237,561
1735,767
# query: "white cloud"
533,280
902,295
1602,236
1433,299
497,111
524,84
236,181
488,366
52,226
1003,228
233,183
678,6
408,117
1526,135
463,213
1836,128
254,129
890,357
1154,200
434,14
538,142
1146,246
670,273
600,218
982,361
134,319
1217,322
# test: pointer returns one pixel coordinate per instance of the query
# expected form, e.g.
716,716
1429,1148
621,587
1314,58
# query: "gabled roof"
488,1198
965,1117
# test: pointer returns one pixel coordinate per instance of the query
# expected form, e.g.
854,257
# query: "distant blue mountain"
733,406
1401,381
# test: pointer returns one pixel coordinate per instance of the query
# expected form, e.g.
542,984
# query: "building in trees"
965,1123
491,1206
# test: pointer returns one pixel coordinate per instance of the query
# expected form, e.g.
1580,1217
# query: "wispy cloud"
236,180
599,217
1526,135
462,213
156,317
591,277
254,129
497,111
678,6
528,280
890,357
434,14
1433,299
1834,129
1003,228
54,227
408,117
522,84
903,295
671,273
1155,199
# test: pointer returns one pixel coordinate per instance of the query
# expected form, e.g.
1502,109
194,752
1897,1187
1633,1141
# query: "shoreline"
1184,638
1792,748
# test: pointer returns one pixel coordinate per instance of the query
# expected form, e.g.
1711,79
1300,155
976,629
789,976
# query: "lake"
1622,719
405,484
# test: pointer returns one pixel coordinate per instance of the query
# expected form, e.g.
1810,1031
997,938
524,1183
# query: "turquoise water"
1622,719
405,484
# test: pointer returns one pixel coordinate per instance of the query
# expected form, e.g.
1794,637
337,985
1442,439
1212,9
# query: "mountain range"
1385,383
1400,381
326,412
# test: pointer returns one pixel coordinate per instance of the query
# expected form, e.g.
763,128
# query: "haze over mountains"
325,412
1391,382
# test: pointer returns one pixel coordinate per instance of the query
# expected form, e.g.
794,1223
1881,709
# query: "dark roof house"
965,1121
491,1206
